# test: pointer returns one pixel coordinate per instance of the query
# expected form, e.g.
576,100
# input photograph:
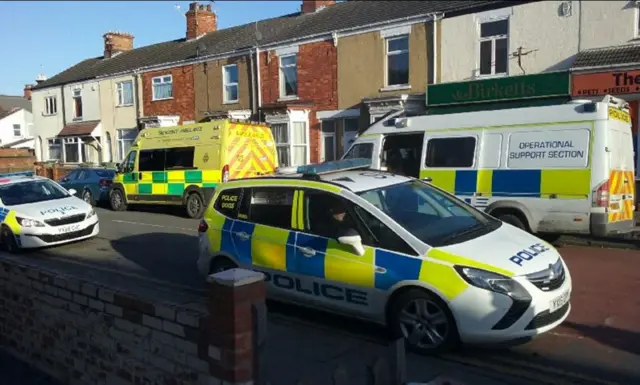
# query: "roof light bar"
335,166
23,173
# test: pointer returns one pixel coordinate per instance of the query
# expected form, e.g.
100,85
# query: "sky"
51,36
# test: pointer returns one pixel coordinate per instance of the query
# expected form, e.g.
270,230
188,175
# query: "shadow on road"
176,211
166,256
613,337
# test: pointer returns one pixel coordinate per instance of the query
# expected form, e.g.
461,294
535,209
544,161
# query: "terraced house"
316,76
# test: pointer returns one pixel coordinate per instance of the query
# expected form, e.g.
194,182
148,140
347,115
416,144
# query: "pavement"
598,344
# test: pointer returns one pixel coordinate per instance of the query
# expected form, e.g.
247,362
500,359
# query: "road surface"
598,344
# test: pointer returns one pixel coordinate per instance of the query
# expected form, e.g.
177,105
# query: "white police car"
387,248
38,212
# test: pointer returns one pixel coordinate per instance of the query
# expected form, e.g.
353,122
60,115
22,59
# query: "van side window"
129,162
401,154
271,206
360,150
451,152
228,202
381,235
151,160
179,158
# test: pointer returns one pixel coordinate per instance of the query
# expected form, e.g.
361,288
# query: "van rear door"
621,171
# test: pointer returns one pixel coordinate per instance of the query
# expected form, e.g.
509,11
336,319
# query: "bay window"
292,143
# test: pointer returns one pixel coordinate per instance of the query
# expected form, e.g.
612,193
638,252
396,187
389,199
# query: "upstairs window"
288,76
398,61
162,87
50,105
494,55
17,130
124,92
77,104
230,83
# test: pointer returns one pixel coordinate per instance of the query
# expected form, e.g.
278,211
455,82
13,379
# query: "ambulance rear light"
10,174
225,173
601,195
334,166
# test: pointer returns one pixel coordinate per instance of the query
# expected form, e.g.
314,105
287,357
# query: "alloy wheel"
424,324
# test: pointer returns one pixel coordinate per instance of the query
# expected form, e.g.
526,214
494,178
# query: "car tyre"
221,264
116,200
424,321
8,241
88,197
195,206
513,221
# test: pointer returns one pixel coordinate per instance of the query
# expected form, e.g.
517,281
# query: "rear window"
106,173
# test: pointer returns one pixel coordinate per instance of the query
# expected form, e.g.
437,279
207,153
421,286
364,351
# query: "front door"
328,146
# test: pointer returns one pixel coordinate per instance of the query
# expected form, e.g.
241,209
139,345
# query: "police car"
38,212
390,249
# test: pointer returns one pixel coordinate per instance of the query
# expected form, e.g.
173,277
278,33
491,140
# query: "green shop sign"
545,85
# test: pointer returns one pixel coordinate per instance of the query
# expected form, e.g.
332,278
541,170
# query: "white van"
564,168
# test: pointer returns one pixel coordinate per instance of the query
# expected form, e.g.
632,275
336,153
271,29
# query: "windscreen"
31,192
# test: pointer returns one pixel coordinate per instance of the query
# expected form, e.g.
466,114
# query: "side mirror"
355,241
72,191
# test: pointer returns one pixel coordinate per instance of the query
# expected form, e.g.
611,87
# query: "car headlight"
497,283
26,222
91,213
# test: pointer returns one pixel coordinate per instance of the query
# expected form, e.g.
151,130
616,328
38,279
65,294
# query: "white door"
328,146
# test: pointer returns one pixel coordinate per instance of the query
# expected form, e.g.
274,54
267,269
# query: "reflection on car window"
31,192
360,150
429,214
106,173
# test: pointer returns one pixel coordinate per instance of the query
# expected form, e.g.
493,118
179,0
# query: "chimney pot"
200,20
115,42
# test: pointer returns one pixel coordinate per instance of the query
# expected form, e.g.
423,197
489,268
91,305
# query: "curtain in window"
163,90
299,141
127,93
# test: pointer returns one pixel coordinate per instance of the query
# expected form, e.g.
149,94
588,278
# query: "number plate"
68,229
559,301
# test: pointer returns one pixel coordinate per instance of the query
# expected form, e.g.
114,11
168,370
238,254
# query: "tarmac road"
598,344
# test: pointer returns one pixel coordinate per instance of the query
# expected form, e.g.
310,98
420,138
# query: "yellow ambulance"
182,165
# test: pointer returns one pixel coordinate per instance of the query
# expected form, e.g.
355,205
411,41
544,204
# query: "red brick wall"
16,159
317,84
184,98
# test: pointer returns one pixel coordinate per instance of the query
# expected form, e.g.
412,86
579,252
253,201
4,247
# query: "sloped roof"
9,102
344,15
608,56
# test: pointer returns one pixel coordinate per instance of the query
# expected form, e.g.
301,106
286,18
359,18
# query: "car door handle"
307,251
139,176
242,235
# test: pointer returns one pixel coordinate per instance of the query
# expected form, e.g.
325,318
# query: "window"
281,137
55,149
288,76
326,215
401,154
179,158
228,202
73,175
162,87
398,61
230,79
360,150
125,138
31,192
77,104
380,235
129,163
451,152
351,125
271,206
50,105
494,56
151,160
124,92
17,130
299,136
74,150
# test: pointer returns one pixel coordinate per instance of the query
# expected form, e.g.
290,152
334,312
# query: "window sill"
231,102
492,76
400,87
78,119
47,115
288,98
124,105
159,100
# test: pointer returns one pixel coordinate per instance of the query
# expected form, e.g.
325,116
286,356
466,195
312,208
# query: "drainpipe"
254,107
136,78
259,83
434,70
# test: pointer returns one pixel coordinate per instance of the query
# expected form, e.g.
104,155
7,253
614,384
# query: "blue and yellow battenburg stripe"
563,183
8,218
274,248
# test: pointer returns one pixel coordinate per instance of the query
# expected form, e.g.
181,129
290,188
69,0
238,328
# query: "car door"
80,182
69,179
338,278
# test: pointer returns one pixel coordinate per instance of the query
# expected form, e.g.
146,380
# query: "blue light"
336,165
24,173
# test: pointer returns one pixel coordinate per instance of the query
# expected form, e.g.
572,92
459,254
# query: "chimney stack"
200,20
311,6
116,42
27,91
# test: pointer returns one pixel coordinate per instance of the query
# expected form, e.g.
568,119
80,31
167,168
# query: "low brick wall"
83,333
16,159
55,171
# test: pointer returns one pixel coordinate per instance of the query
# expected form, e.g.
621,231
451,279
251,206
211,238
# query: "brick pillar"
230,331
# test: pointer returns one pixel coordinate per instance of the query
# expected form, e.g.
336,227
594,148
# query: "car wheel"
116,200
8,240
88,197
513,220
424,321
195,206
221,264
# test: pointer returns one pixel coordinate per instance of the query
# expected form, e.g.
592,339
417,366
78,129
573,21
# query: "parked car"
90,184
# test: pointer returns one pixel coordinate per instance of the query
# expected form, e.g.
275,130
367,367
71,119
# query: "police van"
564,168
387,248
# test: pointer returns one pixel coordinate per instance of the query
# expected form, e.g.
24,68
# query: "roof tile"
608,56
79,129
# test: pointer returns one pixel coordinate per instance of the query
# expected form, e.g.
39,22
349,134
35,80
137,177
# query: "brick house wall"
183,102
317,84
